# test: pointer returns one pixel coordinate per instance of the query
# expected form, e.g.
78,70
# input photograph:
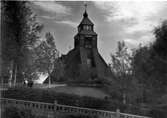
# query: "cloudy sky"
131,21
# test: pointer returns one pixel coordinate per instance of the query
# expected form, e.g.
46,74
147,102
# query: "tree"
160,44
121,68
47,55
159,52
19,35
150,65
121,61
126,86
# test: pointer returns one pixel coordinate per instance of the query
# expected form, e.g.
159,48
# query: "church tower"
86,41
84,64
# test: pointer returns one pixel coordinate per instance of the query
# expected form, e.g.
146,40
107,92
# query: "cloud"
70,23
144,40
131,41
135,11
48,17
141,26
53,7
136,17
60,20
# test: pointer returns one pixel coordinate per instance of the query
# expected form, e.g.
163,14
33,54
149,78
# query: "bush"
13,112
49,96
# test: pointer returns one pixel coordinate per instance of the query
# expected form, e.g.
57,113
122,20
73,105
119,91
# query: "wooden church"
84,64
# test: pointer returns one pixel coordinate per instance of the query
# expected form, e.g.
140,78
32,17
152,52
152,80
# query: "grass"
80,91
51,94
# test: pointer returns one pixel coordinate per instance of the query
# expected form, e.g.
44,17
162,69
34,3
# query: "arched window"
87,27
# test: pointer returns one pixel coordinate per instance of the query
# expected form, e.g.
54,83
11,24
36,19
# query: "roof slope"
86,20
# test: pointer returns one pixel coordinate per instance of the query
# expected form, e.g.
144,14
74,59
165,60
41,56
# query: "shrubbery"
49,96
13,112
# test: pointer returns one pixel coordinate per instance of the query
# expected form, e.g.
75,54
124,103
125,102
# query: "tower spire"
85,13
85,4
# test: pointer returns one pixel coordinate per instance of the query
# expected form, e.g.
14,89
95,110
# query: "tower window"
87,27
89,63
88,43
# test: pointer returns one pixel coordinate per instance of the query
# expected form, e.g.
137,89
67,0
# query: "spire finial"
85,14
85,4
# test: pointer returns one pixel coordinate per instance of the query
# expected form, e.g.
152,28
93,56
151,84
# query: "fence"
49,107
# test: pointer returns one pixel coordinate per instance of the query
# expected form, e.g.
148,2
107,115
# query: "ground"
81,91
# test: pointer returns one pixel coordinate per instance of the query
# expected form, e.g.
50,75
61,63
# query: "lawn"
80,91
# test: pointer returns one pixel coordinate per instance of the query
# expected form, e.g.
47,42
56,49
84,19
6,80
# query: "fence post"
117,113
55,102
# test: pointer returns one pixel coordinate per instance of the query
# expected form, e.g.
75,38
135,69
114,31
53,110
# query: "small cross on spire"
85,4
85,14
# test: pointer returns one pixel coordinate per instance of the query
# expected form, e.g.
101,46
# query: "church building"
83,63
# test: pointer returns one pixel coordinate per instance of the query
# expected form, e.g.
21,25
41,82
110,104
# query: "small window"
89,62
88,43
87,27
84,27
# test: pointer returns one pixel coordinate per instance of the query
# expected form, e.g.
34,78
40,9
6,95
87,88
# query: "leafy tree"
47,55
160,44
141,67
159,53
150,65
121,61
153,58
121,66
19,35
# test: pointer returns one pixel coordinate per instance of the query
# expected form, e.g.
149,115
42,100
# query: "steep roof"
87,32
86,20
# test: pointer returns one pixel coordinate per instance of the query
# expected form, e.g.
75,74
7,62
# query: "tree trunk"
124,98
11,73
15,75
49,80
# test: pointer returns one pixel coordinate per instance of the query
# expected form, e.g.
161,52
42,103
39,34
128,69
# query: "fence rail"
54,107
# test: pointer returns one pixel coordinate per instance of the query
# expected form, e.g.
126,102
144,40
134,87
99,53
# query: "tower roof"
86,26
86,20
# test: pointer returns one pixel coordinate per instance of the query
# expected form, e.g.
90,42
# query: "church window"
90,28
87,27
90,60
89,63
88,43
88,46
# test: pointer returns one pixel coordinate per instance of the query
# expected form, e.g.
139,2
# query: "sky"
129,21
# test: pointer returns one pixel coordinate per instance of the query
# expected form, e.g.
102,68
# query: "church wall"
102,67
